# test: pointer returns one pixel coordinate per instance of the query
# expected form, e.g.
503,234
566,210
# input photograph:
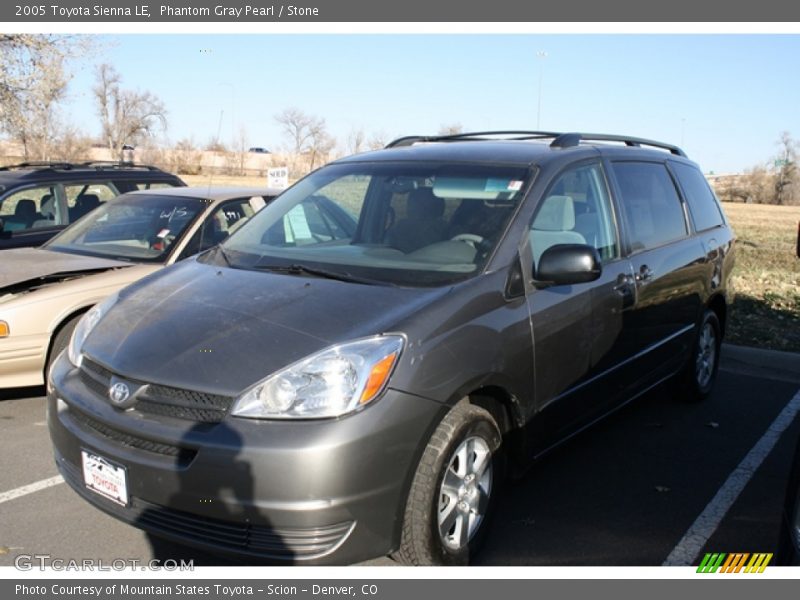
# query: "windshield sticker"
163,233
502,185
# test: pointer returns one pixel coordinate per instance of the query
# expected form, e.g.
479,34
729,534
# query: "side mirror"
566,264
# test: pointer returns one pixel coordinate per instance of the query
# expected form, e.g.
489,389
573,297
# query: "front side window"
576,210
223,221
138,227
653,210
393,223
85,197
31,208
702,203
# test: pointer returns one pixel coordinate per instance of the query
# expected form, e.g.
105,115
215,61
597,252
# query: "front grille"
188,405
183,455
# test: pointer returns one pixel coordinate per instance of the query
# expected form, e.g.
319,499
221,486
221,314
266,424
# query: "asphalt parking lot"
624,493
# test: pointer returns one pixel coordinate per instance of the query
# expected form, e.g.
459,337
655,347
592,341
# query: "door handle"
645,274
624,283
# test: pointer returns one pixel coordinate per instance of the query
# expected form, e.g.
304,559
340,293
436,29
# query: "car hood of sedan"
24,267
220,330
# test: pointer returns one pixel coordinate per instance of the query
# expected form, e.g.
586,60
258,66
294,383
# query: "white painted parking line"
687,550
30,488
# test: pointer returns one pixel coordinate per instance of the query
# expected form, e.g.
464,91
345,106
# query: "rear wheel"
700,373
454,489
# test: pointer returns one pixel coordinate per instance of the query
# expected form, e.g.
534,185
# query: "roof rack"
66,166
560,140
37,164
113,164
568,140
472,136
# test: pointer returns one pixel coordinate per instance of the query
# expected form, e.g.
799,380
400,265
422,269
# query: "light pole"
541,55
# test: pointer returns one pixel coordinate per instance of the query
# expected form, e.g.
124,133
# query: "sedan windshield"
141,228
392,223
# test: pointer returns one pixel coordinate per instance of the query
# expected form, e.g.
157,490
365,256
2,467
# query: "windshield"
393,223
142,228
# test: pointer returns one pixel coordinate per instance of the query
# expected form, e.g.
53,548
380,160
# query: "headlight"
85,326
330,383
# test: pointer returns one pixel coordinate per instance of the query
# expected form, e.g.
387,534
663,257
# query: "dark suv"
355,370
39,199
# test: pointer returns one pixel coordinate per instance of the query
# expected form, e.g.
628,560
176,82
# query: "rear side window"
31,208
702,203
651,204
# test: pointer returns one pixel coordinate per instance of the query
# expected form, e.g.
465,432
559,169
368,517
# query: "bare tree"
186,158
237,156
70,145
320,145
297,126
787,186
215,145
33,81
126,116
356,141
378,140
308,136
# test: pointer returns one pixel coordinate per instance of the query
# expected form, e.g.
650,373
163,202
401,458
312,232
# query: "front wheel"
701,371
60,341
454,489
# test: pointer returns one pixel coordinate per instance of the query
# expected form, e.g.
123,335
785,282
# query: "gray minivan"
355,371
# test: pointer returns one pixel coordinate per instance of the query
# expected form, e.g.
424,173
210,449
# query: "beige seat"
48,212
554,224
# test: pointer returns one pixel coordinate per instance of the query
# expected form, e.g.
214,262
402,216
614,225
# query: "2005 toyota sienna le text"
354,372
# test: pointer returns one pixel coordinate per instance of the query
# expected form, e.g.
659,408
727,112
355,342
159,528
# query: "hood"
219,330
27,267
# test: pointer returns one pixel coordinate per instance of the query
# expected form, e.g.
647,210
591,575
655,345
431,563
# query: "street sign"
278,177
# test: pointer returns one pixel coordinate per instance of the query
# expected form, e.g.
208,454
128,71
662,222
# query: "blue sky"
724,98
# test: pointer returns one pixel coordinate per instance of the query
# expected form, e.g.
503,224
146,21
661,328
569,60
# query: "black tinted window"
650,201
702,203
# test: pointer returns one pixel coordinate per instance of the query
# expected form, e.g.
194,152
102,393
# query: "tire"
458,477
60,342
700,373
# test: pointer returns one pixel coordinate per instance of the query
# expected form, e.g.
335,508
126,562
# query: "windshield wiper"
296,269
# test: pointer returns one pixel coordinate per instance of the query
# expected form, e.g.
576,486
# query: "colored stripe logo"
736,562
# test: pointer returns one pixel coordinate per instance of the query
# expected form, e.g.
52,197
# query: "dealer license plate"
105,478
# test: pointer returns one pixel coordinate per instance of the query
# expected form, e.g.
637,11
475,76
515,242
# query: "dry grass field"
766,278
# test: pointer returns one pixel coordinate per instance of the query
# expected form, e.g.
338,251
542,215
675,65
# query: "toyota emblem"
119,393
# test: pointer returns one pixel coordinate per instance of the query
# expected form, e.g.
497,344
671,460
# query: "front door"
580,332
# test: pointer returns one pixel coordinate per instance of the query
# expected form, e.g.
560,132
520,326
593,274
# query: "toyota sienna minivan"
355,371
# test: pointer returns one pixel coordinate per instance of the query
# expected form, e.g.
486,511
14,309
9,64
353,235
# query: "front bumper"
318,492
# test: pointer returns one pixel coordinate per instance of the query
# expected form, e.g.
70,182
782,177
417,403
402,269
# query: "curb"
771,364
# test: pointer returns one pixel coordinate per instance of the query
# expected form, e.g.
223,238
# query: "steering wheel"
468,238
